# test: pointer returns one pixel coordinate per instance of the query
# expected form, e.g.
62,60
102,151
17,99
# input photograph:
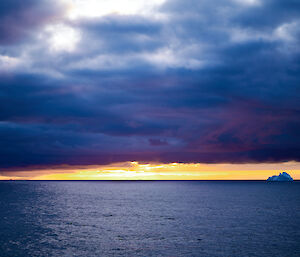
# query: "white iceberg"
281,177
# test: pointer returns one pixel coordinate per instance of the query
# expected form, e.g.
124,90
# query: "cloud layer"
184,81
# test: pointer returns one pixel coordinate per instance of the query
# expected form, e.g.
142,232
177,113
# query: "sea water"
149,218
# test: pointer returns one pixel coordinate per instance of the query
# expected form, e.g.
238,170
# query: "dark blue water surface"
163,218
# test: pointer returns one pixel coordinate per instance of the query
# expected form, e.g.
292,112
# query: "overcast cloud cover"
178,81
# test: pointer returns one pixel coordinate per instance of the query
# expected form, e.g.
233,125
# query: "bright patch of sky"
95,8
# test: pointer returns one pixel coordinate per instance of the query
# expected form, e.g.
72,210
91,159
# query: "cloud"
190,82
19,19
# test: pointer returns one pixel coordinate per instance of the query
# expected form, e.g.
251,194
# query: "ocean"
149,218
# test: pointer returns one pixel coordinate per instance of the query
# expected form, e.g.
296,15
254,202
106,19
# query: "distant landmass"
281,177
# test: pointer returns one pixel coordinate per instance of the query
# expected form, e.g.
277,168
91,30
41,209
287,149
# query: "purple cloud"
199,82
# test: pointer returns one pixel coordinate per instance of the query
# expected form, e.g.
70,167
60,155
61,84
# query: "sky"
90,88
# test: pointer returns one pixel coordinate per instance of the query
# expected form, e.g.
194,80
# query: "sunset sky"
161,89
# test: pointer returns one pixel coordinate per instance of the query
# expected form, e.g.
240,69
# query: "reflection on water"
163,218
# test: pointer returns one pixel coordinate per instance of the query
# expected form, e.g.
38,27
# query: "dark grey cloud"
19,19
269,14
200,82
124,34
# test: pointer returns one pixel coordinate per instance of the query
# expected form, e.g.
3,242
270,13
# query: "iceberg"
281,177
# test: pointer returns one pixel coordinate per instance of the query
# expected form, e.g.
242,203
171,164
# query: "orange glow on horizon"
158,171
